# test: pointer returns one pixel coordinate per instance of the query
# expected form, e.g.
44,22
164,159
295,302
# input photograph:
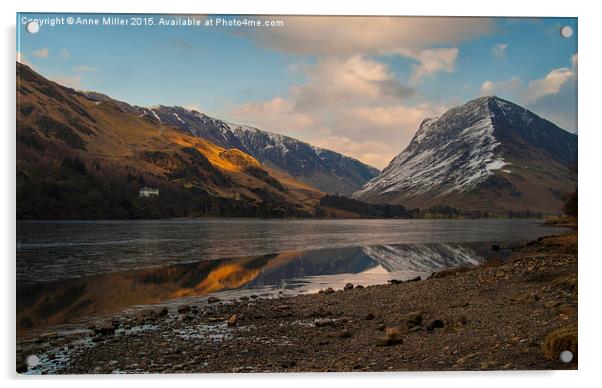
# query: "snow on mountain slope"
323,169
474,153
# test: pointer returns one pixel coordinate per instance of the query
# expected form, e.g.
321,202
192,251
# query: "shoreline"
494,316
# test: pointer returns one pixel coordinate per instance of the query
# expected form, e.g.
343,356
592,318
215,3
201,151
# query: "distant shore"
514,315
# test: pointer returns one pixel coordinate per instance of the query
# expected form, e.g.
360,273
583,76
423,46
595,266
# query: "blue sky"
360,86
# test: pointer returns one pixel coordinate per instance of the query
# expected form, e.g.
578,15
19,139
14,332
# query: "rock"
415,329
163,312
21,366
435,324
369,317
359,286
461,361
392,337
416,279
344,334
183,309
348,286
233,320
412,319
106,329
324,322
551,304
395,281
381,327
495,247
213,299
327,291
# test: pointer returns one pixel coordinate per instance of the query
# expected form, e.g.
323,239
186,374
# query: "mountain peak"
486,144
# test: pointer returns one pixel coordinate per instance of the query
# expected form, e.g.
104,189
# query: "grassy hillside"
80,159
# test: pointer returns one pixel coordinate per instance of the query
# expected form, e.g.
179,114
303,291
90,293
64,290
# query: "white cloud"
431,61
41,53
356,100
534,89
552,96
550,84
499,50
352,102
367,35
511,85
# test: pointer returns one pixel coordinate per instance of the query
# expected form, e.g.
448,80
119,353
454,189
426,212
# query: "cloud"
553,96
336,82
511,85
351,101
499,50
431,61
356,100
367,35
550,84
42,53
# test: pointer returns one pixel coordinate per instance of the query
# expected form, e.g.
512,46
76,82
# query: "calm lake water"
70,270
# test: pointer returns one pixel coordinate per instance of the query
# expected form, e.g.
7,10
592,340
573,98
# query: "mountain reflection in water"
66,301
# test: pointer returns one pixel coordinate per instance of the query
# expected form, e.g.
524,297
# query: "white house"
148,192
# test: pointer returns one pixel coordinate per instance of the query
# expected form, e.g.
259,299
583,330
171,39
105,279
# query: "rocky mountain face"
489,154
323,169
83,157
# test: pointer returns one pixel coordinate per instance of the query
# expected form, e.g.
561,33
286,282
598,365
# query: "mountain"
79,157
323,169
489,154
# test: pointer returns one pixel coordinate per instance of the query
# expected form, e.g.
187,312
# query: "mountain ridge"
486,154
78,158
327,170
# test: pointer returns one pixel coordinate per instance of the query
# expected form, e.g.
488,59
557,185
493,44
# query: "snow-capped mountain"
488,154
323,169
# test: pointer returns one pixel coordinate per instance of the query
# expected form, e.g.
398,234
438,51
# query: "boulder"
324,322
232,320
105,329
213,299
392,337
348,286
183,309
412,319
435,324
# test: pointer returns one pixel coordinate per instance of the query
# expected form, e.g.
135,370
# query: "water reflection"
40,304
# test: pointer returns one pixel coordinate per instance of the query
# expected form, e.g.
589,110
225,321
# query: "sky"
357,85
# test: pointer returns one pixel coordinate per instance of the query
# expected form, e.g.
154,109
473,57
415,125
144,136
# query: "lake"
71,270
